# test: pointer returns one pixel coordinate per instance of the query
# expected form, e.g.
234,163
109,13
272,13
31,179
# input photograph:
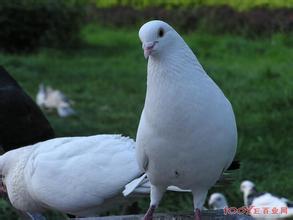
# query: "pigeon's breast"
183,129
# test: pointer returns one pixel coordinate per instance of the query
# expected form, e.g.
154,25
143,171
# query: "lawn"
106,78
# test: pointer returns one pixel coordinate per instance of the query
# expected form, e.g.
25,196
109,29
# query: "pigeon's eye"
161,32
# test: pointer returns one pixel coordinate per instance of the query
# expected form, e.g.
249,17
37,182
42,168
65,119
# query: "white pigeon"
263,203
218,201
54,99
76,175
187,133
248,188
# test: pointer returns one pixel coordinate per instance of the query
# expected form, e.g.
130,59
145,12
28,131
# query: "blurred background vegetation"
90,50
237,4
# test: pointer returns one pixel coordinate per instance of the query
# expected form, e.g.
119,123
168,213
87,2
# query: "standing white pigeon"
187,133
265,205
218,201
76,175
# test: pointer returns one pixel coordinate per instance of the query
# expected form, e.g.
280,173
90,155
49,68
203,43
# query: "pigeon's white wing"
271,202
71,174
268,200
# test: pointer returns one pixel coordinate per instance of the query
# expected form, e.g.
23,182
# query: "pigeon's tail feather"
288,202
134,184
228,175
235,165
142,185
227,178
177,189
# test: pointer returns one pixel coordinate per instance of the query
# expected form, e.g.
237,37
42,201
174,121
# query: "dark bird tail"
228,175
235,165
22,121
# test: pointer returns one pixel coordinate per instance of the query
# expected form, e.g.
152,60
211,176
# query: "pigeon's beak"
148,48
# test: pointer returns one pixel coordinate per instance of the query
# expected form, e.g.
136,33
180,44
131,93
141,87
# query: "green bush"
28,25
237,4
256,22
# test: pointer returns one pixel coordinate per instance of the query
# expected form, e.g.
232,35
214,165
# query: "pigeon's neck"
176,66
12,159
172,76
245,199
248,195
15,178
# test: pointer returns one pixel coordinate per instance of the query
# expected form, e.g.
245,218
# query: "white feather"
77,175
142,185
130,187
270,202
260,201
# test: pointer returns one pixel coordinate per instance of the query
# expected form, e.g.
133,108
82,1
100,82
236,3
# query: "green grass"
107,80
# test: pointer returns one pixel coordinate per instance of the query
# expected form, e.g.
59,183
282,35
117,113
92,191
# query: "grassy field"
106,78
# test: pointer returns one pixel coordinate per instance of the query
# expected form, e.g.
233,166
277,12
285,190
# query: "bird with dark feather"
21,120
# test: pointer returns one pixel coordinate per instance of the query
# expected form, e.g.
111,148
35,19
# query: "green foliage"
107,81
213,19
28,25
6,212
237,4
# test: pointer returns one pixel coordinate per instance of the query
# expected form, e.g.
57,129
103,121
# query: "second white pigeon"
81,176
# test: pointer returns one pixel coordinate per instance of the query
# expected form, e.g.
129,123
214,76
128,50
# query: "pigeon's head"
247,186
217,201
156,37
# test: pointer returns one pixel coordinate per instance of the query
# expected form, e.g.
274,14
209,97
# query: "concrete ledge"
206,215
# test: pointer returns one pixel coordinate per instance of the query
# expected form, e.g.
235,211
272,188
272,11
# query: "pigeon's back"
86,171
21,121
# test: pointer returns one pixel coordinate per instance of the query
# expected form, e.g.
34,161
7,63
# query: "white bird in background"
248,188
187,132
54,99
218,201
76,175
261,200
